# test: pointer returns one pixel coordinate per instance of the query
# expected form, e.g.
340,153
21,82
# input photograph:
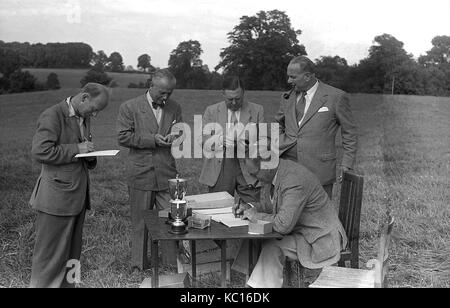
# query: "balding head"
161,86
304,63
93,98
301,74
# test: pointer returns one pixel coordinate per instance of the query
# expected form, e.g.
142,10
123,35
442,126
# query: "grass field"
70,78
404,153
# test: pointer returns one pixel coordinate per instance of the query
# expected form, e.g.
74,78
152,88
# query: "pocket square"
323,109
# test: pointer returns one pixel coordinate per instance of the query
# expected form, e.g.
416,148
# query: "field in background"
70,78
404,153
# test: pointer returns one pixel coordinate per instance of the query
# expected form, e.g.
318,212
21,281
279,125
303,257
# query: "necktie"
300,106
82,124
156,106
234,119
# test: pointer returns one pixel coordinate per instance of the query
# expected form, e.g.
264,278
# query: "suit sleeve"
348,131
293,202
45,148
280,118
126,134
285,142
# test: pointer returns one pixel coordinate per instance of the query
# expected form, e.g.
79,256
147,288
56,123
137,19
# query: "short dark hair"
232,83
305,63
95,90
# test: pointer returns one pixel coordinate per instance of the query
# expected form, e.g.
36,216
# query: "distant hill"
70,78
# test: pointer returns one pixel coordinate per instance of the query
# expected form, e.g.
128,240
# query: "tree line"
260,48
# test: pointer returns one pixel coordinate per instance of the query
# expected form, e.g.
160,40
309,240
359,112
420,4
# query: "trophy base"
178,230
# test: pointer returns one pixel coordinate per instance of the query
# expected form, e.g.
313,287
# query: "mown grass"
404,155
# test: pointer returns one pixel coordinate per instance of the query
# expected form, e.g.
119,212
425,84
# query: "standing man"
144,125
229,173
301,211
61,194
309,120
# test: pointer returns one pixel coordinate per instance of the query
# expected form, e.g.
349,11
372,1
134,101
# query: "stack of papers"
223,215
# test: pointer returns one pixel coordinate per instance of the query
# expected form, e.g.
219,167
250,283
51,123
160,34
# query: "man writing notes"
144,125
225,171
300,209
61,194
309,120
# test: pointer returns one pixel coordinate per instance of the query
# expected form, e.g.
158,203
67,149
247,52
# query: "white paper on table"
98,153
225,210
235,222
229,220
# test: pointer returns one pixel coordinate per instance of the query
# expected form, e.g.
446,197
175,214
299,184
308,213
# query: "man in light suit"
309,120
61,194
144,125
300,209
226,171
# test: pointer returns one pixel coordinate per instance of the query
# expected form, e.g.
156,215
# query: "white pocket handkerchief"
323,109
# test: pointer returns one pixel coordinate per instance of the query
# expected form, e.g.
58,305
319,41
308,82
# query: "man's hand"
161,141
341,171
250,214
239,208
85,147
229,141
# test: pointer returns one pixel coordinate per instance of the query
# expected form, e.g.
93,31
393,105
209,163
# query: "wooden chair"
350,215
374,277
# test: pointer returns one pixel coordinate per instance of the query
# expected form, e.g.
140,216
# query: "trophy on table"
178,206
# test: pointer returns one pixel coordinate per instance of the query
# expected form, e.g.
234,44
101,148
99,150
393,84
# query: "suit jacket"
315,138
62,188
218,113
301,208
149,166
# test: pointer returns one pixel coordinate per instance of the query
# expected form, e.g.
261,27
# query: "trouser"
268,272
58,240
231,179
142,200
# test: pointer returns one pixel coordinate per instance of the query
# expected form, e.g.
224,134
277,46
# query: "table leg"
223,248
155,277
194,263
250,257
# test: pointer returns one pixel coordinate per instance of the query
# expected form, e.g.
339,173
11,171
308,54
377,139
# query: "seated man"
301,210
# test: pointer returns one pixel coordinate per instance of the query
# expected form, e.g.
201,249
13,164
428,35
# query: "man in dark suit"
225,170
309,120
300,209
144,125
61,194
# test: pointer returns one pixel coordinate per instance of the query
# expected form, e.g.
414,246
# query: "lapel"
319,99
71,122
276,190
146,110
166,118
223,115
291,110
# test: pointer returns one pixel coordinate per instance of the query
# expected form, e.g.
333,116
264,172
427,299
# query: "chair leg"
288,267
301,276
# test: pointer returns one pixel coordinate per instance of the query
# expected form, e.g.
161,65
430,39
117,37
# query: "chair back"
350,214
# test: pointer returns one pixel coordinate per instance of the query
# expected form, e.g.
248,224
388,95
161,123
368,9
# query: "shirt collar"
71,110
310,93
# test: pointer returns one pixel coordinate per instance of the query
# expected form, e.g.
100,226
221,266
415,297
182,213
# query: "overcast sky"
133,27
